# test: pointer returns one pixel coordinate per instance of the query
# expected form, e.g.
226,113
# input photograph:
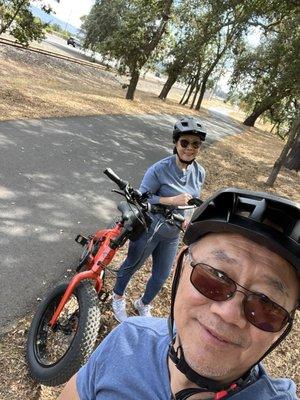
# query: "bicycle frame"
96,265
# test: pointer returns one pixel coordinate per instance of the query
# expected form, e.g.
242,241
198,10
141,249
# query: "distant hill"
50,18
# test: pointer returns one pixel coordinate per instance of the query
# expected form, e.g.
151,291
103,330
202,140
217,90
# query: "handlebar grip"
178,217
114,177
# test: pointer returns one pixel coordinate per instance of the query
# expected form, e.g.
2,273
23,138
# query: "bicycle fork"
103,257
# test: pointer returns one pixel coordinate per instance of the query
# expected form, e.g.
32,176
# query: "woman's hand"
181,199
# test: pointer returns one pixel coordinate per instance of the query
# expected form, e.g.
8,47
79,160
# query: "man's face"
217,340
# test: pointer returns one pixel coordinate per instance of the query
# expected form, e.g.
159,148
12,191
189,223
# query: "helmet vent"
273,224
244,213
255,207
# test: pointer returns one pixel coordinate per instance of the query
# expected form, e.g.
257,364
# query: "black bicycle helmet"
262,217
188,125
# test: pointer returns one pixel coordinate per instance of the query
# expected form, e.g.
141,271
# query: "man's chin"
209,364
212,371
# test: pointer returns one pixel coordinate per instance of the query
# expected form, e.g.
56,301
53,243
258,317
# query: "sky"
71,10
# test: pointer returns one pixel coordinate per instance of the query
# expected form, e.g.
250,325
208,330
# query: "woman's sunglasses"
184,143
259,310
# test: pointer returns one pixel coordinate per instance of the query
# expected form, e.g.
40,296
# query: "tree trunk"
132,84
202,91
149,49
281,159
192,83
185,92
200,98
161,28
293,158
167,86
195,95
259,110
207,75
273,127
195,80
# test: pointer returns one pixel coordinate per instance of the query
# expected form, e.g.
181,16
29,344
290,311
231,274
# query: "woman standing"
171,181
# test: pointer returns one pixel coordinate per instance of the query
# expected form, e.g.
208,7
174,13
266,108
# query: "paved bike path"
52,187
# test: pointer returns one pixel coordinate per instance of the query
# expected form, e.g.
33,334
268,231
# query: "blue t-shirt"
166,179
131,364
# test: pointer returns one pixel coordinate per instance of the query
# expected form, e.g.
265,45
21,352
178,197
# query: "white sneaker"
143,309
119,308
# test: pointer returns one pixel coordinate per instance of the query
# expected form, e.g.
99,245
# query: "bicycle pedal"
103,296
81,240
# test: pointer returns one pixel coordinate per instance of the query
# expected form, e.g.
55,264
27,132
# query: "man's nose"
231,310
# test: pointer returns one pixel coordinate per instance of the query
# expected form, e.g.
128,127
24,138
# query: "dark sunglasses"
259,310
184,143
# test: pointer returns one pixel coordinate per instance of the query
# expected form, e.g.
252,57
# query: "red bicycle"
65,326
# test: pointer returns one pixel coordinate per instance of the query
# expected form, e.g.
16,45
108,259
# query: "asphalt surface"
76,52
57,43
52,188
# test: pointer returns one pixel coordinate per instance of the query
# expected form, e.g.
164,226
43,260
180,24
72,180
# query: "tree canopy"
17,19
266,79
189,37
128,31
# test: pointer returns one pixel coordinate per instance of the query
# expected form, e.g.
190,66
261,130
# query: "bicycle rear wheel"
55,354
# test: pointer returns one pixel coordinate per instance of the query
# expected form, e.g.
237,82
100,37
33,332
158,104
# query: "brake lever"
117,191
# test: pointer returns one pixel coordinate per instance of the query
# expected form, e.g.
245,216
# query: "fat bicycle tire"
82,344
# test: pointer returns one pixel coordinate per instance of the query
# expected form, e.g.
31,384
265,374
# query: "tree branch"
7,25
264,26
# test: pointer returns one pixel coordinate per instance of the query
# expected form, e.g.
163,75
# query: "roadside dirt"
35,86
53,87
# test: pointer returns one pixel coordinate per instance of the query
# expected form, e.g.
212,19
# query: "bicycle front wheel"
55,354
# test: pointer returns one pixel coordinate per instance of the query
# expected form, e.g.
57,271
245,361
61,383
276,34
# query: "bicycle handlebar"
114,177
162,208
140,200
123,185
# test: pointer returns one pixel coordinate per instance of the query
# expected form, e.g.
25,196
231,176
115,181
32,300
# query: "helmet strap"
184,161
206,384
278,341
180,159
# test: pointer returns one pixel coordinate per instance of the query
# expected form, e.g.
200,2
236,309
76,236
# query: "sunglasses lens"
184,143
264,314
212,283
259,310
